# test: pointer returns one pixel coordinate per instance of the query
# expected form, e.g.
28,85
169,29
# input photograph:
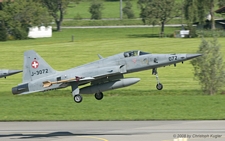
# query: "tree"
0,6
190,9
57,9
221,3
128,10
211,4
196,10
19,15
209,68
156,11
3,31
96,10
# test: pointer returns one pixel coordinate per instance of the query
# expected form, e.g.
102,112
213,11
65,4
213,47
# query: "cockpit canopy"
134,53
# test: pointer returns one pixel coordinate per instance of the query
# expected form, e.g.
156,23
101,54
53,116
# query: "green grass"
181,97
75,14
110,22
151,107
111,10
101,22
111,13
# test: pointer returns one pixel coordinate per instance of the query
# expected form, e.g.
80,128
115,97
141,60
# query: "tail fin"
35,67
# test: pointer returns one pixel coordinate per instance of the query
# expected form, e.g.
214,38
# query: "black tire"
99,95
78,98
159,86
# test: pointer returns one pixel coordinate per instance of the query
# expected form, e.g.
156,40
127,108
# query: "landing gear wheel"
77,98
159,86
99,95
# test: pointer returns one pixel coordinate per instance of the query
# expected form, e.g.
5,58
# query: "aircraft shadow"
56,134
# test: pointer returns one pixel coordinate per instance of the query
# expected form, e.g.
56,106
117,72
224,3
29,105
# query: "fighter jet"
101,75
5,72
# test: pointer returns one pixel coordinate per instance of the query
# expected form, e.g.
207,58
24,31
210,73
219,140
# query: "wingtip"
100,57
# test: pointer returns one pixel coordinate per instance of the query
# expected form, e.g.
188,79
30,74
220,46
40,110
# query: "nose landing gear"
159,85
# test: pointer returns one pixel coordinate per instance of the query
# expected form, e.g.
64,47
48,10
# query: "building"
219,23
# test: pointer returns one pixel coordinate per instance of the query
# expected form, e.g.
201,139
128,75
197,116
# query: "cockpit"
135,53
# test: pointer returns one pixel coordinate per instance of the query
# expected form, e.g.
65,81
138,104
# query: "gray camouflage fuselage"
100,74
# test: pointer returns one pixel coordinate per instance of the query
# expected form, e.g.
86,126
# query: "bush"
96,10
127,10
209,68
19,33
78,17
192,31
211,33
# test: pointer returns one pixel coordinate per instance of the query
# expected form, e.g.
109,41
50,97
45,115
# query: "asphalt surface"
113,131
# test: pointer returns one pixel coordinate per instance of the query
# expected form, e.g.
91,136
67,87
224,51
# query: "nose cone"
190,56
10,72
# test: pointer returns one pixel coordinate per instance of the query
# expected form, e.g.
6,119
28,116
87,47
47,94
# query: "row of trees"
160,12
17,16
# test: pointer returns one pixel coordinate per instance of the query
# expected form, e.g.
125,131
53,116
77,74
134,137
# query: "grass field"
82,9
79,15
181,97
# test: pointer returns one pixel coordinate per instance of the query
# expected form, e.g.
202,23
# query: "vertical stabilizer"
35,67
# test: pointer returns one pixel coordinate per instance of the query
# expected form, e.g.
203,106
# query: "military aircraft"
102,75
6,72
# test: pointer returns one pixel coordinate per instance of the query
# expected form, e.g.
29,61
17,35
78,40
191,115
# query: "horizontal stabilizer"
5,72
49,83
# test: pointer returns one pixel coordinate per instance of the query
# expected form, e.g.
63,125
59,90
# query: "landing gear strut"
99,95
159,86
75,92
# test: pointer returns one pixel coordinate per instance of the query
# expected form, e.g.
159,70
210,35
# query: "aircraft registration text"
172,58
39,72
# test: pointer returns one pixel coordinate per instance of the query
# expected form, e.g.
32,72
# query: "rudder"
35,67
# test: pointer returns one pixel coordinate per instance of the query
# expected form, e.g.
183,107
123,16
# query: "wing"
109,71
95,76
108,74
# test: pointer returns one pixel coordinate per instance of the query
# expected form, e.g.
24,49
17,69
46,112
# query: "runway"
113,131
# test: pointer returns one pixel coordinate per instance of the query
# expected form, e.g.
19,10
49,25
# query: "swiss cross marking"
35,64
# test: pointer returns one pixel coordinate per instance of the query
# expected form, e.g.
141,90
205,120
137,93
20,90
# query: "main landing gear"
159,86
78,98
99,95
